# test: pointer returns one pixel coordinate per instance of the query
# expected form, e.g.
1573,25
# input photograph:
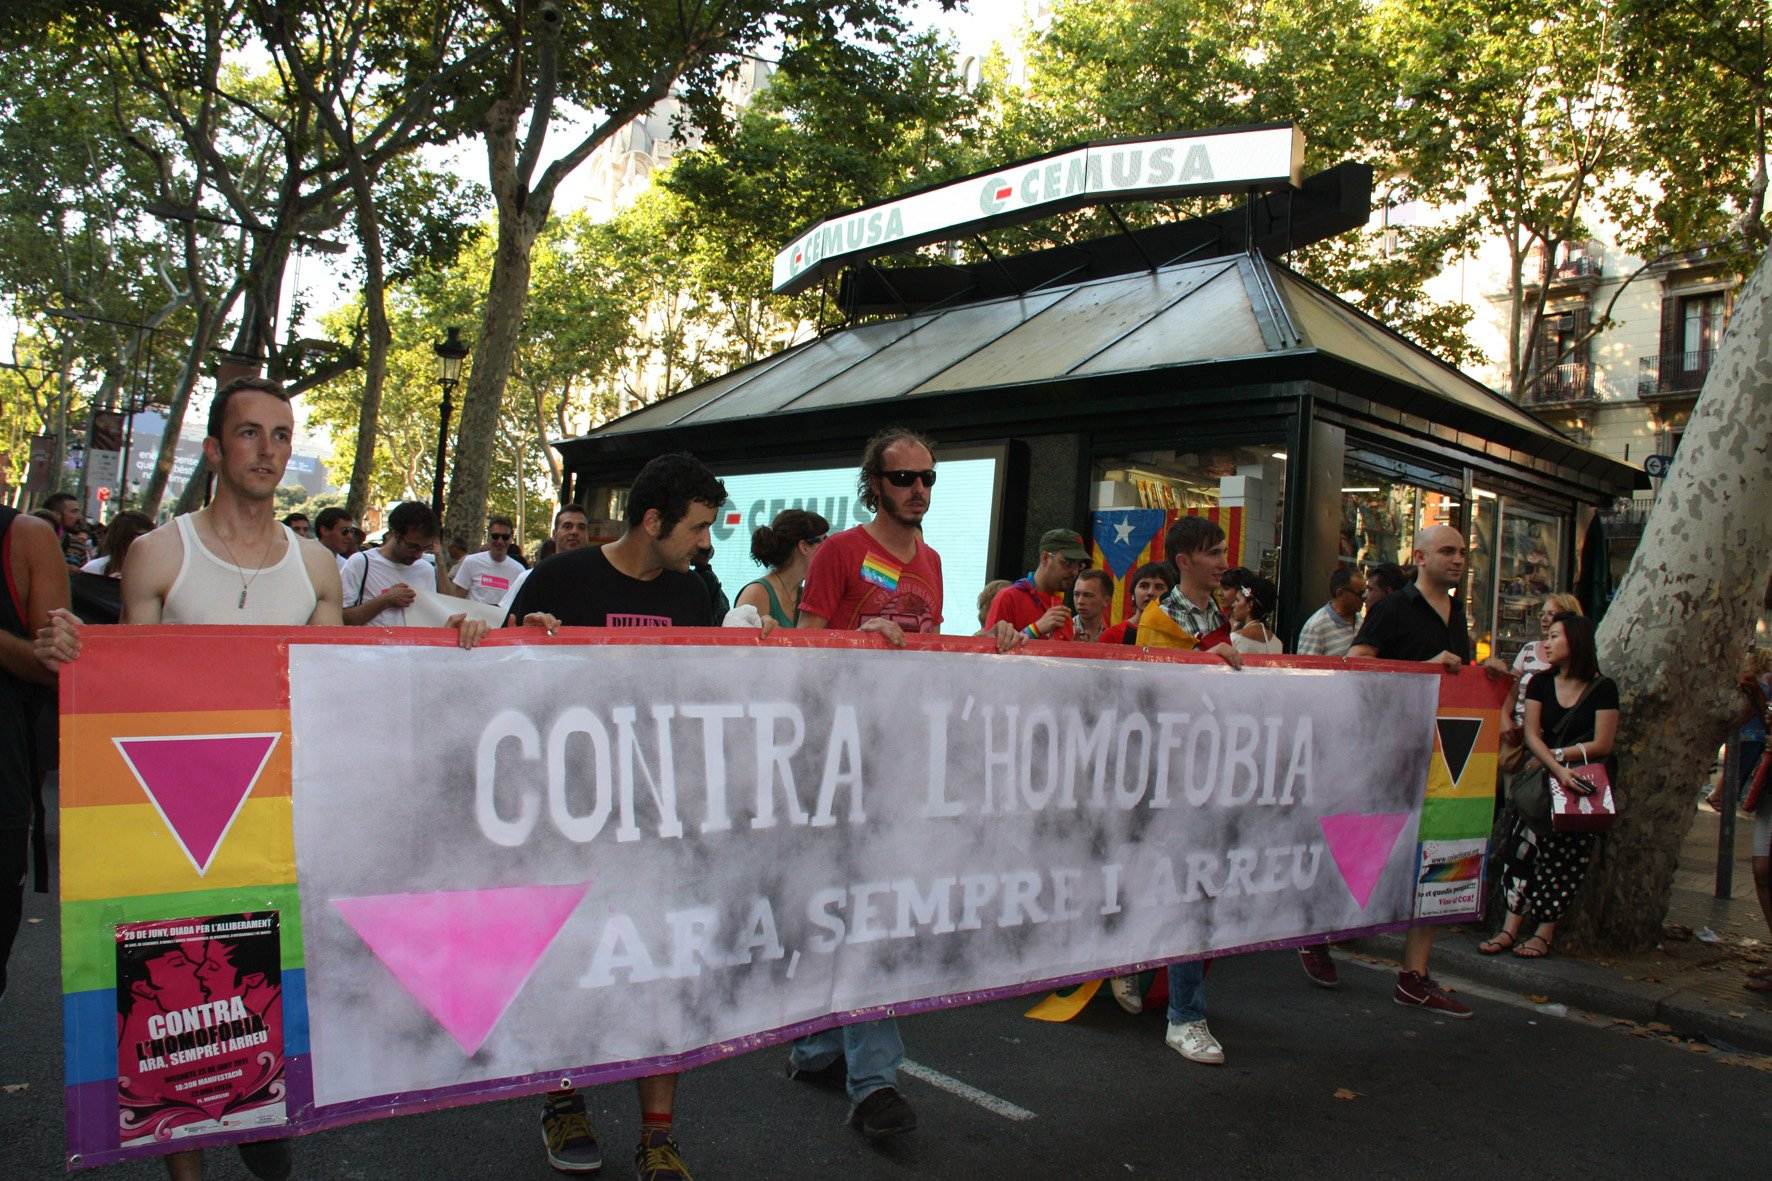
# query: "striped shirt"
1327,633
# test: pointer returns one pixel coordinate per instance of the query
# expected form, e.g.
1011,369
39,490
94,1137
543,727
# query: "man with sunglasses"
488,576
337,530
876,577
1034,603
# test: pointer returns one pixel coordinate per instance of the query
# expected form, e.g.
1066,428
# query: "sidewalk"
1688,984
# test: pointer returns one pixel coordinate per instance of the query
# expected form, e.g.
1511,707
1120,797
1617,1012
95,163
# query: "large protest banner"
336,874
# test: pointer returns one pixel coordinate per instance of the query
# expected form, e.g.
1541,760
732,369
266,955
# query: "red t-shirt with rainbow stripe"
854,579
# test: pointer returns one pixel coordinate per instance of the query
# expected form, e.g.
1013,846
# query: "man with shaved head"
1423,621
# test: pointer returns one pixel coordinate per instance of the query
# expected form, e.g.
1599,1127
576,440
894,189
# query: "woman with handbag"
1528,663
1578,709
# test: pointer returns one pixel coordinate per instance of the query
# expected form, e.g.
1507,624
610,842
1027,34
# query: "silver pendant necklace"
240,571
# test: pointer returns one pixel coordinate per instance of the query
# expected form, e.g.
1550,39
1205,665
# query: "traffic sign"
1658,465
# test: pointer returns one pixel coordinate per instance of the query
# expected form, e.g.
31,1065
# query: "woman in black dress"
1541,868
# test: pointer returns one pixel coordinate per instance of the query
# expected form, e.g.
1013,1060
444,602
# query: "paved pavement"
1344,1079
1691,983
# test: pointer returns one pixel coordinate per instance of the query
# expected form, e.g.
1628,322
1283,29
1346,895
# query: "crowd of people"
234,562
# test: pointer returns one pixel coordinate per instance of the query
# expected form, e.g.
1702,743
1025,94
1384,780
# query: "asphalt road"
1345,1081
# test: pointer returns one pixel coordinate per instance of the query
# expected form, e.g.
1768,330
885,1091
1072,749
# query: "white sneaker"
1127,994
1193,1041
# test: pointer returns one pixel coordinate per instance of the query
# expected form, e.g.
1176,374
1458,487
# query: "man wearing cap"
1034,603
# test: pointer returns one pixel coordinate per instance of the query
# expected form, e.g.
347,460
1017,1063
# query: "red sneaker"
1319,967
1421,992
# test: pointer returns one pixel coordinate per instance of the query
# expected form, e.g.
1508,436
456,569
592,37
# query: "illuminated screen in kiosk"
960,525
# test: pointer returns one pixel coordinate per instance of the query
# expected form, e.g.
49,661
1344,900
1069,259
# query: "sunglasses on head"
905,477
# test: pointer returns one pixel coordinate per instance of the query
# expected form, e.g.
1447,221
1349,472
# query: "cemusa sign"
1232,160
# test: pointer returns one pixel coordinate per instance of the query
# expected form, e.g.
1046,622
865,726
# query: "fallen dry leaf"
33,922
1538,999
1738,1016
1344,1093
15,1088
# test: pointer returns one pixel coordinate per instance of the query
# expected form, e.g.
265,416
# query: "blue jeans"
1187,992
871,1050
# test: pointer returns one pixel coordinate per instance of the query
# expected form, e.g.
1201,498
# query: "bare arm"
329,594
754,596
148,573
1363,652
445,584
810,621
42,578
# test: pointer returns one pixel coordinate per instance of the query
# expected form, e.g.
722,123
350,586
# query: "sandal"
1527,952
1494,945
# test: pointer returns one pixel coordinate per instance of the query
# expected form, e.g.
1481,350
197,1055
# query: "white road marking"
966,1091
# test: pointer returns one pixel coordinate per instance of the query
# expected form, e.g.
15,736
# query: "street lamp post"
451,351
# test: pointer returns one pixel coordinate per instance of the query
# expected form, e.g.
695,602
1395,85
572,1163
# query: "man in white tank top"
231,563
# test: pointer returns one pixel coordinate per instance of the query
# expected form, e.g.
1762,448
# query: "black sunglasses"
904,477
498,536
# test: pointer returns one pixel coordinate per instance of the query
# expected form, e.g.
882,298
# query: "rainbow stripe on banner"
1123,539
880,572
181,812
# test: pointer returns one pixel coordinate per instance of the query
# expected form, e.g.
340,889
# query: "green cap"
1066,543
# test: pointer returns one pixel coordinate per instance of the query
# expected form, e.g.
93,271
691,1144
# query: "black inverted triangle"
1458,737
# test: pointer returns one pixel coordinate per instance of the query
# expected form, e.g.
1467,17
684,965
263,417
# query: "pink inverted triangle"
463,954
1361,843
198,783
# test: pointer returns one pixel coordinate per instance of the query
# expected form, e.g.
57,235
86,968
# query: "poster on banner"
698,842
1450,879
199,1027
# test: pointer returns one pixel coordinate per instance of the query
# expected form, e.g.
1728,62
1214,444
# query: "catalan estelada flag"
1123,539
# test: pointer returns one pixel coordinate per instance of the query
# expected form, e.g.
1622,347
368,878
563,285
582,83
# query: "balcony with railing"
1567,384
1673,375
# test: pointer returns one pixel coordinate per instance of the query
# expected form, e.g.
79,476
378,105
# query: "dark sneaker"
657,1159
1421,992
268,1160
833,1076
566,1129
883,1113
1319,967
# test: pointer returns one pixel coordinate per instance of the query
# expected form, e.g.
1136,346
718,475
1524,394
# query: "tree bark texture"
507,293
1676,633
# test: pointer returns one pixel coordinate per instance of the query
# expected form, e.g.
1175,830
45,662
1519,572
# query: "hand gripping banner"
312,877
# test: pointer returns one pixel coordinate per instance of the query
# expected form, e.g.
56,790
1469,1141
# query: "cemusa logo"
995,195
1097,170
858,230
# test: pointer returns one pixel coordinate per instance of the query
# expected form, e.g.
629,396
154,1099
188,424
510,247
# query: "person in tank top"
784,547
231,563
36,583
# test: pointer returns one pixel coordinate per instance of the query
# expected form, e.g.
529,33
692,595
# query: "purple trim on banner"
97,1102
92,1108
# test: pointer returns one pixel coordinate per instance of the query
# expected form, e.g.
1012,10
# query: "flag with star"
1123,539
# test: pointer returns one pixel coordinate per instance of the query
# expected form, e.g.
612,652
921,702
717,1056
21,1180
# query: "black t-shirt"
581,589
1405,626
1543,689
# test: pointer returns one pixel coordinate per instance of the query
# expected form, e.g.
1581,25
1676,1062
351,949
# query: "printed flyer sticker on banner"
199,1027
1451,877
697,843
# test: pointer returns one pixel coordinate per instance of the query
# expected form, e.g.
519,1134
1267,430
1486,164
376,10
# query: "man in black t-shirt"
642,579
1423,621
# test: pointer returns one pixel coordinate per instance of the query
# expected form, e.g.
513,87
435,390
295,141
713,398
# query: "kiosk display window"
1240,486
1380,517
1530,566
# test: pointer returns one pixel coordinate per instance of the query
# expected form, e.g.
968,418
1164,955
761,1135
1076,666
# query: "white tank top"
207,589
